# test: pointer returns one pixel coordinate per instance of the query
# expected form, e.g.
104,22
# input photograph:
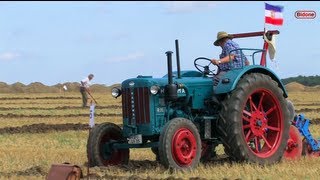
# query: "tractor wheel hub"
258,123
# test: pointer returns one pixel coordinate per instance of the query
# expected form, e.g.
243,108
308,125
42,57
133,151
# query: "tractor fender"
229,81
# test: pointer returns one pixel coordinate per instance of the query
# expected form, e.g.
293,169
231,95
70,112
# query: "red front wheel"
180,144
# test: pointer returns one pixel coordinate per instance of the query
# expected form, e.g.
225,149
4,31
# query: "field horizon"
72,87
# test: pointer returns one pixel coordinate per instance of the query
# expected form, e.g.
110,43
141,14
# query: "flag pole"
264,20
263,60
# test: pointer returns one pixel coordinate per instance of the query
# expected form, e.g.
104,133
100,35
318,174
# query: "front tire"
100,135
180,145
254,121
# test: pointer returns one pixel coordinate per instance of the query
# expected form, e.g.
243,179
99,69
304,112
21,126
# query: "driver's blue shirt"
237,62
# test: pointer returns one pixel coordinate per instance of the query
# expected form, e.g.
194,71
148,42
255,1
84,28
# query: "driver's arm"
223,60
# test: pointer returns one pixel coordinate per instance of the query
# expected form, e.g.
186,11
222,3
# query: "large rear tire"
100,135
180,145
254,121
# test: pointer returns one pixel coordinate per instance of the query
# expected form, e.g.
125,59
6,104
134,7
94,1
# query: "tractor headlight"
115,92
154,90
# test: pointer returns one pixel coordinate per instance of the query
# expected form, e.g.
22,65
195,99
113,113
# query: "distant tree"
305,80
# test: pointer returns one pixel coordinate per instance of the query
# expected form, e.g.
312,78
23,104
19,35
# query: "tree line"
305,80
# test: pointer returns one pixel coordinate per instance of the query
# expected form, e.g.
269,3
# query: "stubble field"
37,130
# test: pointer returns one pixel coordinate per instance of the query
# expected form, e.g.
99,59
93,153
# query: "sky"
57,42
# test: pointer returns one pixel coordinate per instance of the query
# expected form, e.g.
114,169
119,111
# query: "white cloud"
129,57
190,6
9,56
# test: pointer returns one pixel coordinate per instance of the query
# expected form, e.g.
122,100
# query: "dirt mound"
4,87
115,85
17,87
313,88
100,88
37,87
72,86
294,86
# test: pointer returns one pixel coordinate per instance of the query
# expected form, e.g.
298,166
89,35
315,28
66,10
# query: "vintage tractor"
184,115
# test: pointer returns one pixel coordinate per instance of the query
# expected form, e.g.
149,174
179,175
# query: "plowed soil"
57,108
57,97
43,128
10,115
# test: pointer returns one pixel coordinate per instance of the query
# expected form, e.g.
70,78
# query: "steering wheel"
206,70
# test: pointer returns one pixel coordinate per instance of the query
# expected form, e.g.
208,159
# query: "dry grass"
29,156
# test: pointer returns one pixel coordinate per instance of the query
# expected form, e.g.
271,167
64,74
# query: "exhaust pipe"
170,89
178,58
169,59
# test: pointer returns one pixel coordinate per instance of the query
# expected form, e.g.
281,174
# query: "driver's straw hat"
220,36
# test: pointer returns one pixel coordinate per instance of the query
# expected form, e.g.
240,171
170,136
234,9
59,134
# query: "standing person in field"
85,88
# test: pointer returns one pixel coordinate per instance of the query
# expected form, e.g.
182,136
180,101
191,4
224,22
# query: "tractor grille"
135,105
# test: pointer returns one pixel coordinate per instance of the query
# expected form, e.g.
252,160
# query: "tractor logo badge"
305,14
181,91
131,84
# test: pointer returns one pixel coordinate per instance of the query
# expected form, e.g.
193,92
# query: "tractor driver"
227,45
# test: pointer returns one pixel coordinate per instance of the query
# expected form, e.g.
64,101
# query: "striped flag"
273,14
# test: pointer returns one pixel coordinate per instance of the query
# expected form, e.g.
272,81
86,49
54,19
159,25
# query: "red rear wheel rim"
262,123
184,147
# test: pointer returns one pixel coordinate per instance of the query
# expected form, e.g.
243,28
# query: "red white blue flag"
273,14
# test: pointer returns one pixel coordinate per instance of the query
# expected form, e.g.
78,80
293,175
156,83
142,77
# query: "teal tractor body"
183,116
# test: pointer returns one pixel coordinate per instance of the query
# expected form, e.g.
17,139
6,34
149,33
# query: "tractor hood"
188,78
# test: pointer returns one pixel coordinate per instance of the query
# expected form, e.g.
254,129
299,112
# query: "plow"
301,142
